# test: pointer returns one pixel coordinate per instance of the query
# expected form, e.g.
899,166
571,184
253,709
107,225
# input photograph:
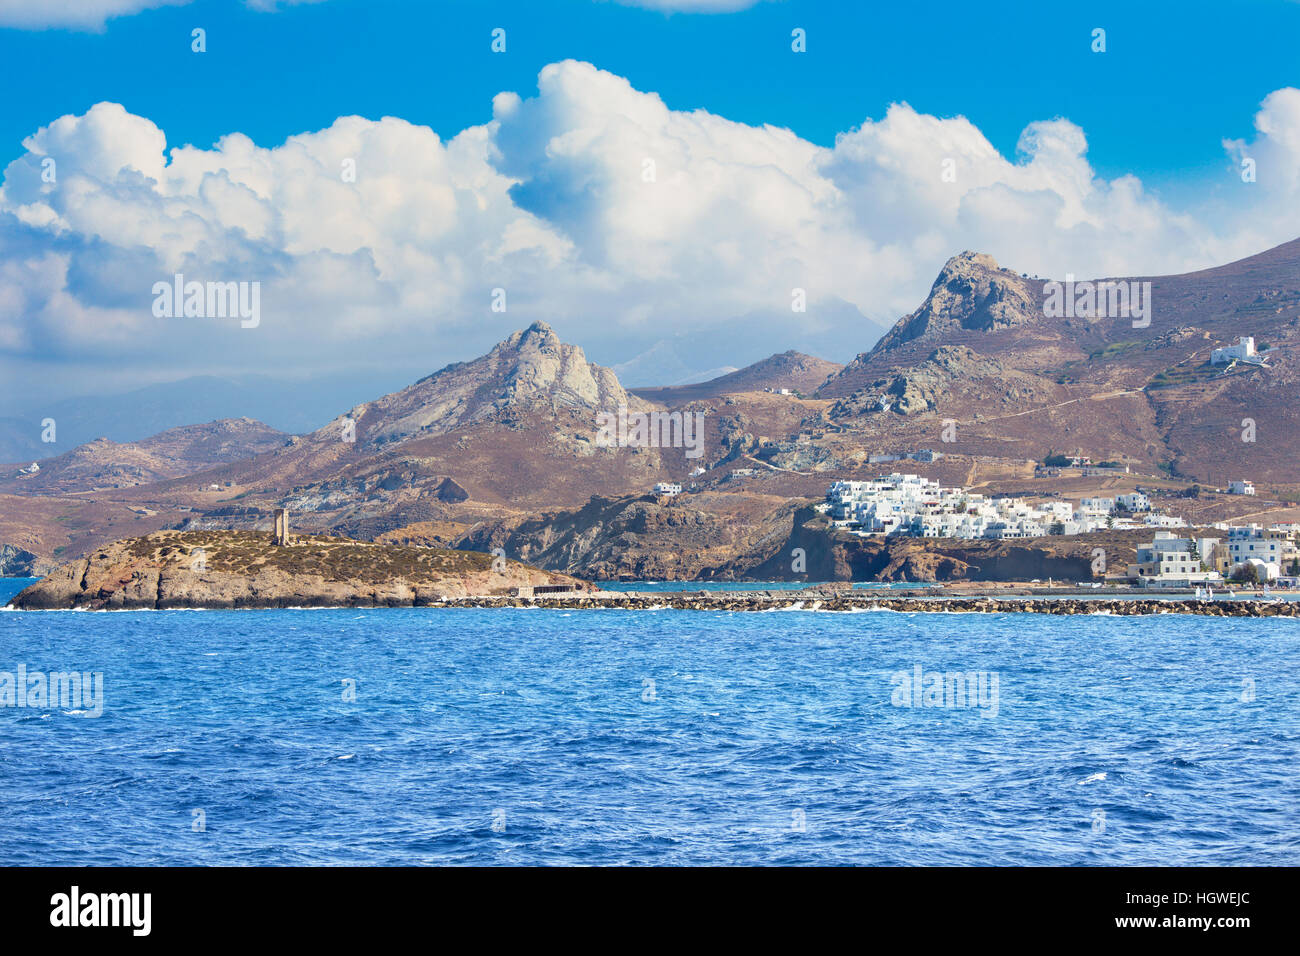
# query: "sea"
663,737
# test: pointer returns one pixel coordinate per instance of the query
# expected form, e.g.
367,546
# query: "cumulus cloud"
592,205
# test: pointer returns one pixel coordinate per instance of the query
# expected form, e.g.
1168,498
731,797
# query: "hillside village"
912,506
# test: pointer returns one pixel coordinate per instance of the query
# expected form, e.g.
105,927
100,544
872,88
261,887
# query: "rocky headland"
246,569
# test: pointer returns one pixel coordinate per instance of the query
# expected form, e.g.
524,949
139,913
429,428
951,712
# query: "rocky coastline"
247,569
228,570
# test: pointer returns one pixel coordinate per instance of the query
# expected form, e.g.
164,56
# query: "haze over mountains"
287,405
977,371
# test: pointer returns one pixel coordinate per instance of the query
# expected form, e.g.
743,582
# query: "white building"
1255,543
1135,502
668,489
1241,488
1264,570
1154,519
1096,507
1243,351
1169,559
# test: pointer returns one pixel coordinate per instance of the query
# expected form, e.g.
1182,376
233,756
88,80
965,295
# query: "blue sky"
525,171
1177,76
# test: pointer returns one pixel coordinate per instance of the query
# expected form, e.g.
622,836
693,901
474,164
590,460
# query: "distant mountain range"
102,464
287,405
789,370
479,450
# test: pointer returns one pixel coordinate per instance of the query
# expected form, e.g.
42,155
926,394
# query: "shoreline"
762,601
757,602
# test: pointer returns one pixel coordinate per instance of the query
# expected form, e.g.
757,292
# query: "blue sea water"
650,737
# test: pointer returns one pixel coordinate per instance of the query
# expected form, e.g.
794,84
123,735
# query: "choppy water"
764,738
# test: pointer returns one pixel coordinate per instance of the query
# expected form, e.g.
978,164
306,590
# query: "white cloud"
73,14
551,202
94,14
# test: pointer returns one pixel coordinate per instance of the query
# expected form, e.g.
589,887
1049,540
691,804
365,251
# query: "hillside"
792,370
981,353
516,426
643,537
104,464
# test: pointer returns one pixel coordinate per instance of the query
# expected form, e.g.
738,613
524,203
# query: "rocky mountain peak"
972,293
968,261
538,336
531,370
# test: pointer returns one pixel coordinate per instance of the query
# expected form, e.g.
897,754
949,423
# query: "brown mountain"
102,464
514,428
792,370
982,353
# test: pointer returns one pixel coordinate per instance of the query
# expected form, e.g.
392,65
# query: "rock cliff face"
242,569
17,563
950,370
971,292
644,538
835,556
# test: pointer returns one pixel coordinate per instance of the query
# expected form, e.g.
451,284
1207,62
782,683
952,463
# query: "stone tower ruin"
282,538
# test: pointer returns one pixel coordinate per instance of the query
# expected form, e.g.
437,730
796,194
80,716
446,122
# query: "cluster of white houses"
909,505
918,507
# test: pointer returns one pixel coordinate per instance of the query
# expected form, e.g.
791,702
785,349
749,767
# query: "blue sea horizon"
613,737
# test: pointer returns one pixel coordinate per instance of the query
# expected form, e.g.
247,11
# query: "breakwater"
796,601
